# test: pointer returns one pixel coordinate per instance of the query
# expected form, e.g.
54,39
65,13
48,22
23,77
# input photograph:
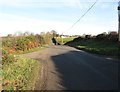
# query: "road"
66,68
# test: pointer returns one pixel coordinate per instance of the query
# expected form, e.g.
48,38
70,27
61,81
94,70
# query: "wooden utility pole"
119,21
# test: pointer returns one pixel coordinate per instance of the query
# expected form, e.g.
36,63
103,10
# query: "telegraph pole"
119,22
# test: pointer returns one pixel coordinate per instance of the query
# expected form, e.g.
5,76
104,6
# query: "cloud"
13,23
80,4
40,3
100,0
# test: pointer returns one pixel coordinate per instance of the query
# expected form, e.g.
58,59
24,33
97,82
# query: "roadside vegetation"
23,43
104,44
19,73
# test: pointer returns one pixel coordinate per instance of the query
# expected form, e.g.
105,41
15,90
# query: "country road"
66,68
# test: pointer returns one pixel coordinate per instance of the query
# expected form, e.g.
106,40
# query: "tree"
54,33
87,36
26,33
42,33
18,33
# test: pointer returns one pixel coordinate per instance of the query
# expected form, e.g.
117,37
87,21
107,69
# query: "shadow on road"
80,71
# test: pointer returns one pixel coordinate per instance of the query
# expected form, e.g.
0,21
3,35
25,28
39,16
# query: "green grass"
20,75
31,50
59,40
99,47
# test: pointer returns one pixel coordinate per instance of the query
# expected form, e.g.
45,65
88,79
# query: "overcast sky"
45,15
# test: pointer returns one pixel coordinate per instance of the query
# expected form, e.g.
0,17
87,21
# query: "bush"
7,58
101,37
113,38
77,39
20,44
25,42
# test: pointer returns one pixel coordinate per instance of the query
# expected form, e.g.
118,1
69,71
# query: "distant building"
63,36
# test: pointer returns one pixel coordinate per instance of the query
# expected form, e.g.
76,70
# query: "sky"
45,15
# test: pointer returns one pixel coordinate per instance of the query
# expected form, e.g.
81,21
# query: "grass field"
59,39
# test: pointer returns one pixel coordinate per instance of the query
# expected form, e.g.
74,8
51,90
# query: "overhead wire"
82,15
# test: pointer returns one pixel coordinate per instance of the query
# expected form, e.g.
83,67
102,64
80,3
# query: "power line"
83,15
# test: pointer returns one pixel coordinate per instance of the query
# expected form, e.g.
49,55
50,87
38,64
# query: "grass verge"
31,50
20,75
98,47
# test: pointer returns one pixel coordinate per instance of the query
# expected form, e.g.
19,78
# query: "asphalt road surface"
66,68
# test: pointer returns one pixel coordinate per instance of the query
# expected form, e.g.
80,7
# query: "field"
59,39
103,47
104,44
99,47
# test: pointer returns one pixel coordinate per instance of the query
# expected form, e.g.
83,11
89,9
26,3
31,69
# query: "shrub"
113,37
77,39
7,58
25,42
101,37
